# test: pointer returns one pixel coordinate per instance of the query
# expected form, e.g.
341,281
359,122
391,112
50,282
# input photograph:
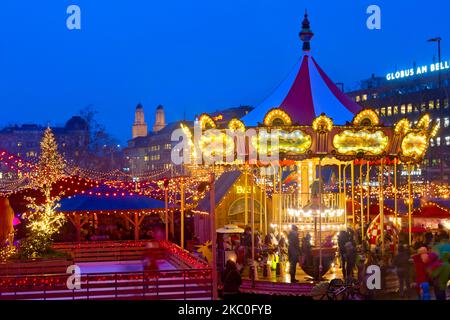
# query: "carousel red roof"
307,92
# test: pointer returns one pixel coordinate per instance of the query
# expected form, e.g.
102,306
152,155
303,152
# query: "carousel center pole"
265,201
212,223
245,196
368,192
410,202
361,199
182,213
395,191
280,187
353,191
320,218
345,195
261,201
252,219
381,205
166,210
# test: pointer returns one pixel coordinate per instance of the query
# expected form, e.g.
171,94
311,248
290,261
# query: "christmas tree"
43,219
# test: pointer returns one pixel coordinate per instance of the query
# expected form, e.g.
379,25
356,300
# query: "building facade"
411,93
152,153
24,140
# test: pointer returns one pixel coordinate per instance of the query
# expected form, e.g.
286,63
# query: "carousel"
309,126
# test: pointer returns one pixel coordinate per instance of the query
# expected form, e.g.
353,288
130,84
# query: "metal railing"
163,284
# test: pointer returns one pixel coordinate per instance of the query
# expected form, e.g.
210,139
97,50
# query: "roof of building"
76,123
103,202
222,185
306,93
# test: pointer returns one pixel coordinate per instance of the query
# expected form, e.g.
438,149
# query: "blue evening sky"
192,56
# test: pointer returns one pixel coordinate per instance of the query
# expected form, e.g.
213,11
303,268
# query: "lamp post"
438,40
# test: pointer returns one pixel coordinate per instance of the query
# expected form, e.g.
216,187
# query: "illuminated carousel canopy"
306,93
312,118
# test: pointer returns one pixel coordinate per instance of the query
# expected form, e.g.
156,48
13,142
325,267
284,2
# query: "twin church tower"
140,126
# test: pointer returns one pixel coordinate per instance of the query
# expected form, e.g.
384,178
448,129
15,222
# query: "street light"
438,40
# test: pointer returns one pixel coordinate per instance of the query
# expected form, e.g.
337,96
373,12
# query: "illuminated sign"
350,142
417,172
243,190
418,71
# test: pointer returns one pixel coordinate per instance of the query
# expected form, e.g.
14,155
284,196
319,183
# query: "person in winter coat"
441,276
402,263
293,252
231,281
421,262
350,257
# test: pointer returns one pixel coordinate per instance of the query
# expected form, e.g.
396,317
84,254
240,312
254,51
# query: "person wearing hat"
421,262
293,252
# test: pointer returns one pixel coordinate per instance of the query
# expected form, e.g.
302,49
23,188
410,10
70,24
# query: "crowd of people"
424,266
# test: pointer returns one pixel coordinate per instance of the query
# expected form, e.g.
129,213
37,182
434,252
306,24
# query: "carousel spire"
306,34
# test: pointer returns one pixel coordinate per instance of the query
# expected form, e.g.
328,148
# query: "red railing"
172,284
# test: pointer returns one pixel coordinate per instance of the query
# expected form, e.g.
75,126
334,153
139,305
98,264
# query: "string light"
322,123
363,141
274,114
366,118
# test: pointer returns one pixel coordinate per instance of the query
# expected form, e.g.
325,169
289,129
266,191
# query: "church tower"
139,125
160,121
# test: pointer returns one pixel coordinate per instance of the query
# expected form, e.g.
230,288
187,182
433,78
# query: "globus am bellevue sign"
420,70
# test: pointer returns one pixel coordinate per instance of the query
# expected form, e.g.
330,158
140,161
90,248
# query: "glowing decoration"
402,127
295,142
414,145
235,125
351,143
216,144
206,122
435,130
243,190
277,117
322,123
366,118
424,123
43,219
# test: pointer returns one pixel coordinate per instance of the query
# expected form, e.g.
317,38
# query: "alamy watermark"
225,146
374,20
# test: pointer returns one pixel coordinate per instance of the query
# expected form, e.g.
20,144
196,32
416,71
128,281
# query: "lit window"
383,112
145,158
410,108
438,141
438,121
446,122
389,111
403,109
395,109
438,103
423,107
364,97
447,140
431,105
358,99
19,144
432,142
445,103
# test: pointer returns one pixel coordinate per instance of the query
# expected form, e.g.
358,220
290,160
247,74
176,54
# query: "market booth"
94,203
431,214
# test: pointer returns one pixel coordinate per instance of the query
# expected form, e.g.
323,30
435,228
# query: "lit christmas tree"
43,219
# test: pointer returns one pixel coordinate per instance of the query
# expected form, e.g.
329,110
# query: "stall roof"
110,203
222,185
